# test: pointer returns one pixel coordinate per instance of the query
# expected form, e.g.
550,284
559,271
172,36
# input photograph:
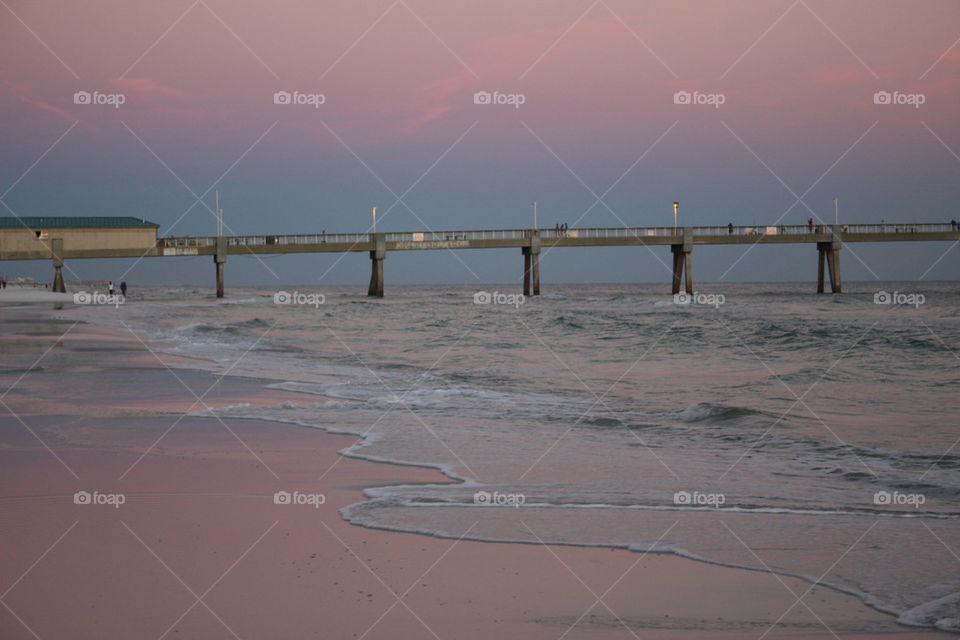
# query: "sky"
588,116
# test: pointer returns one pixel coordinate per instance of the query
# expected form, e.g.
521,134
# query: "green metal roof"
73,222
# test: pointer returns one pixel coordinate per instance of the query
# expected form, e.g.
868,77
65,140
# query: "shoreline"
530,555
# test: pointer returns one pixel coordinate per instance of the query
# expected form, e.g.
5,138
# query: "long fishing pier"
58,244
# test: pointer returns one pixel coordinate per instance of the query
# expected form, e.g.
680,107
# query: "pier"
58,246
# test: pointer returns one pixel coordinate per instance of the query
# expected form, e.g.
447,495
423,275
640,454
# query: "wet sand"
199,549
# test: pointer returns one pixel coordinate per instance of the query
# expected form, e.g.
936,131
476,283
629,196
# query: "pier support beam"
219,258
821,258
56,253
683,263
829,252
531,266
376,266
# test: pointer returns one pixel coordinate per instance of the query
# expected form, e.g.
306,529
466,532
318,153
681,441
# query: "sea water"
765,427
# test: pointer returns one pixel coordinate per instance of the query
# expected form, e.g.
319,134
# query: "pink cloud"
145,88
31,98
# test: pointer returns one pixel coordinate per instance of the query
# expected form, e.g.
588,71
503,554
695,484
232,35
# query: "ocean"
762,426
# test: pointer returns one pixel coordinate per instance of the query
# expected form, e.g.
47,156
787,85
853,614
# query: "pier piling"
219,258
683,263
531,266
376,266
829,252
526,270
56,253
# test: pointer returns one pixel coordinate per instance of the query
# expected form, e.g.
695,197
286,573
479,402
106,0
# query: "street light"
534,203
676,206
374,219
836,212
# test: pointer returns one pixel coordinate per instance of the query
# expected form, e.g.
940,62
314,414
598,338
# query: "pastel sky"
598,140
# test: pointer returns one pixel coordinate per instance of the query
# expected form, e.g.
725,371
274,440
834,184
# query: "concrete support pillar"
526,270
833,261
58,285
677,269
535,261
829,252
835,283
683,263
531,266
56,253
219,258
821,253
219,267
377,257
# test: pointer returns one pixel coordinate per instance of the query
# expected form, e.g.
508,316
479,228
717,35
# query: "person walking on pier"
810,224
123,288
729,228
110,287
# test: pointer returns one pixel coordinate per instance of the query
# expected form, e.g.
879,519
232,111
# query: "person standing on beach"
123,288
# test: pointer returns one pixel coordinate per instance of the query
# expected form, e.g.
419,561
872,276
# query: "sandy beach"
199,549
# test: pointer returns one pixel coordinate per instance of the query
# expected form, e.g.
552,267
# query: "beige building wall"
17,240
